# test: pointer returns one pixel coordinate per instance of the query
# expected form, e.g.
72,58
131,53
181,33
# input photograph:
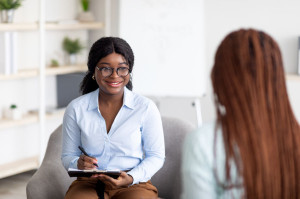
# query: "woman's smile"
114,83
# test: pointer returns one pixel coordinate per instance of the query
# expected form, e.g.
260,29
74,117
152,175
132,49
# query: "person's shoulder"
140,100
81,101
203,133
201,140
198,147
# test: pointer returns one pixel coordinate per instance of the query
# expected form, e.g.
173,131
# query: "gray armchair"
52,181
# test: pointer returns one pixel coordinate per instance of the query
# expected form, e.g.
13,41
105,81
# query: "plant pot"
7,16
86,17
13,114
71,59
16,114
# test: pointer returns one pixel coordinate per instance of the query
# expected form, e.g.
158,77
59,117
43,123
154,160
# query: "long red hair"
255,115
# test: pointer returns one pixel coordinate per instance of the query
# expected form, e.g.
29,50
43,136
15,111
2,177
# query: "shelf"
18,26
51,26
27,73
58,113
19,166
30,119
27,119
293,77
60,70
75,26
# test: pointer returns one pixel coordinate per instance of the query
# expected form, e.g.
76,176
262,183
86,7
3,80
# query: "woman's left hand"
124,180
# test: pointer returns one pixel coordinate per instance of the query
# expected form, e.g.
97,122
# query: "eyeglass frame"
112,70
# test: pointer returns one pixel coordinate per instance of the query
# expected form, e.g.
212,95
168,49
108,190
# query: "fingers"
123,180
85,162
108,180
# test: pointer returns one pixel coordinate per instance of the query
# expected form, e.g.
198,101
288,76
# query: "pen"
83,151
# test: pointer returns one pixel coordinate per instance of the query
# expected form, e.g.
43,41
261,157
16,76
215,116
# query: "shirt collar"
93,103
128,99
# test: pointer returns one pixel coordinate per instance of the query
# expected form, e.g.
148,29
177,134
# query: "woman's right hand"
85,162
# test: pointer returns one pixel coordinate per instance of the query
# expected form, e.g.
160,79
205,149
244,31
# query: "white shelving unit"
40,73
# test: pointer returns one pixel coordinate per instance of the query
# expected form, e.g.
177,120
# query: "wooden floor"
14,187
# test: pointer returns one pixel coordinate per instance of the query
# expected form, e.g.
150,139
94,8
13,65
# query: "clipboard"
88,173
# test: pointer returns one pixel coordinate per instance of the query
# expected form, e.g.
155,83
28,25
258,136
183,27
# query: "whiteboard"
167,38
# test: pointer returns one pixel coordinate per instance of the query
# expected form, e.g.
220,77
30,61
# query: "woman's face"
112,84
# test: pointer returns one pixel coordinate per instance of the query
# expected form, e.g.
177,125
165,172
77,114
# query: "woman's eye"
106,69
123,69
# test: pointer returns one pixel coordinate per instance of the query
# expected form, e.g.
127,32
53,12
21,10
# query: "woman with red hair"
253,149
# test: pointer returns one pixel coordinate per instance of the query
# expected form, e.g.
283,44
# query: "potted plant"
72,47
85,15
7,8
14,112
54,63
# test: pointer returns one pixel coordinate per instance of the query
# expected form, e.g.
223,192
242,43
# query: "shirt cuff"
134,177
73,163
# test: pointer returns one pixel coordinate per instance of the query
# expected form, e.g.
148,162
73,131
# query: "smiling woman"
102,120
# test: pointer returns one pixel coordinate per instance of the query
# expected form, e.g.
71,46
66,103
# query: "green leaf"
10,4
13,106
54,62
85,5
72,46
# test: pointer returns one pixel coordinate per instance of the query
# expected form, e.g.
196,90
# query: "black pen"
83,151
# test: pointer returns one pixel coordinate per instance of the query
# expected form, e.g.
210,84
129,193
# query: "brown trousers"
86,188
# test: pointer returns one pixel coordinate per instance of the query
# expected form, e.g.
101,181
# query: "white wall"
279,18
167,38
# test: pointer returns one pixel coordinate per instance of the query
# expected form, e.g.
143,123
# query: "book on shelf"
298,55
8,53
14,51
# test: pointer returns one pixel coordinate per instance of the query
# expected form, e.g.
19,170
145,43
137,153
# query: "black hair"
101,48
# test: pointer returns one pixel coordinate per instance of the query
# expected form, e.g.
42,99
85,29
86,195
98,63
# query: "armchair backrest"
168,178
51,180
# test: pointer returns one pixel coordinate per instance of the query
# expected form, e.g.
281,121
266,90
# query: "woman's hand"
85,162
124,180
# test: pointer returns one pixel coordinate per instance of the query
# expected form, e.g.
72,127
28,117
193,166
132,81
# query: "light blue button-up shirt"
135,141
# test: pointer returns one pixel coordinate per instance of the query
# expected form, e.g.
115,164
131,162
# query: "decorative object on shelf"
54,63
72,47
13,112
85,15
8,8
8,53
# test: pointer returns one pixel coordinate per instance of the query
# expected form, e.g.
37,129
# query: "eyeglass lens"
107,71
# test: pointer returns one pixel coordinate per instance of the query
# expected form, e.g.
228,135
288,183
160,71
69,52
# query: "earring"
93,77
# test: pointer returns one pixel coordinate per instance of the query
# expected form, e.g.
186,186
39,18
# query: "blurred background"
44,46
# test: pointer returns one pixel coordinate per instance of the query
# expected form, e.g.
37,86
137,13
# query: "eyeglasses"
107,71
